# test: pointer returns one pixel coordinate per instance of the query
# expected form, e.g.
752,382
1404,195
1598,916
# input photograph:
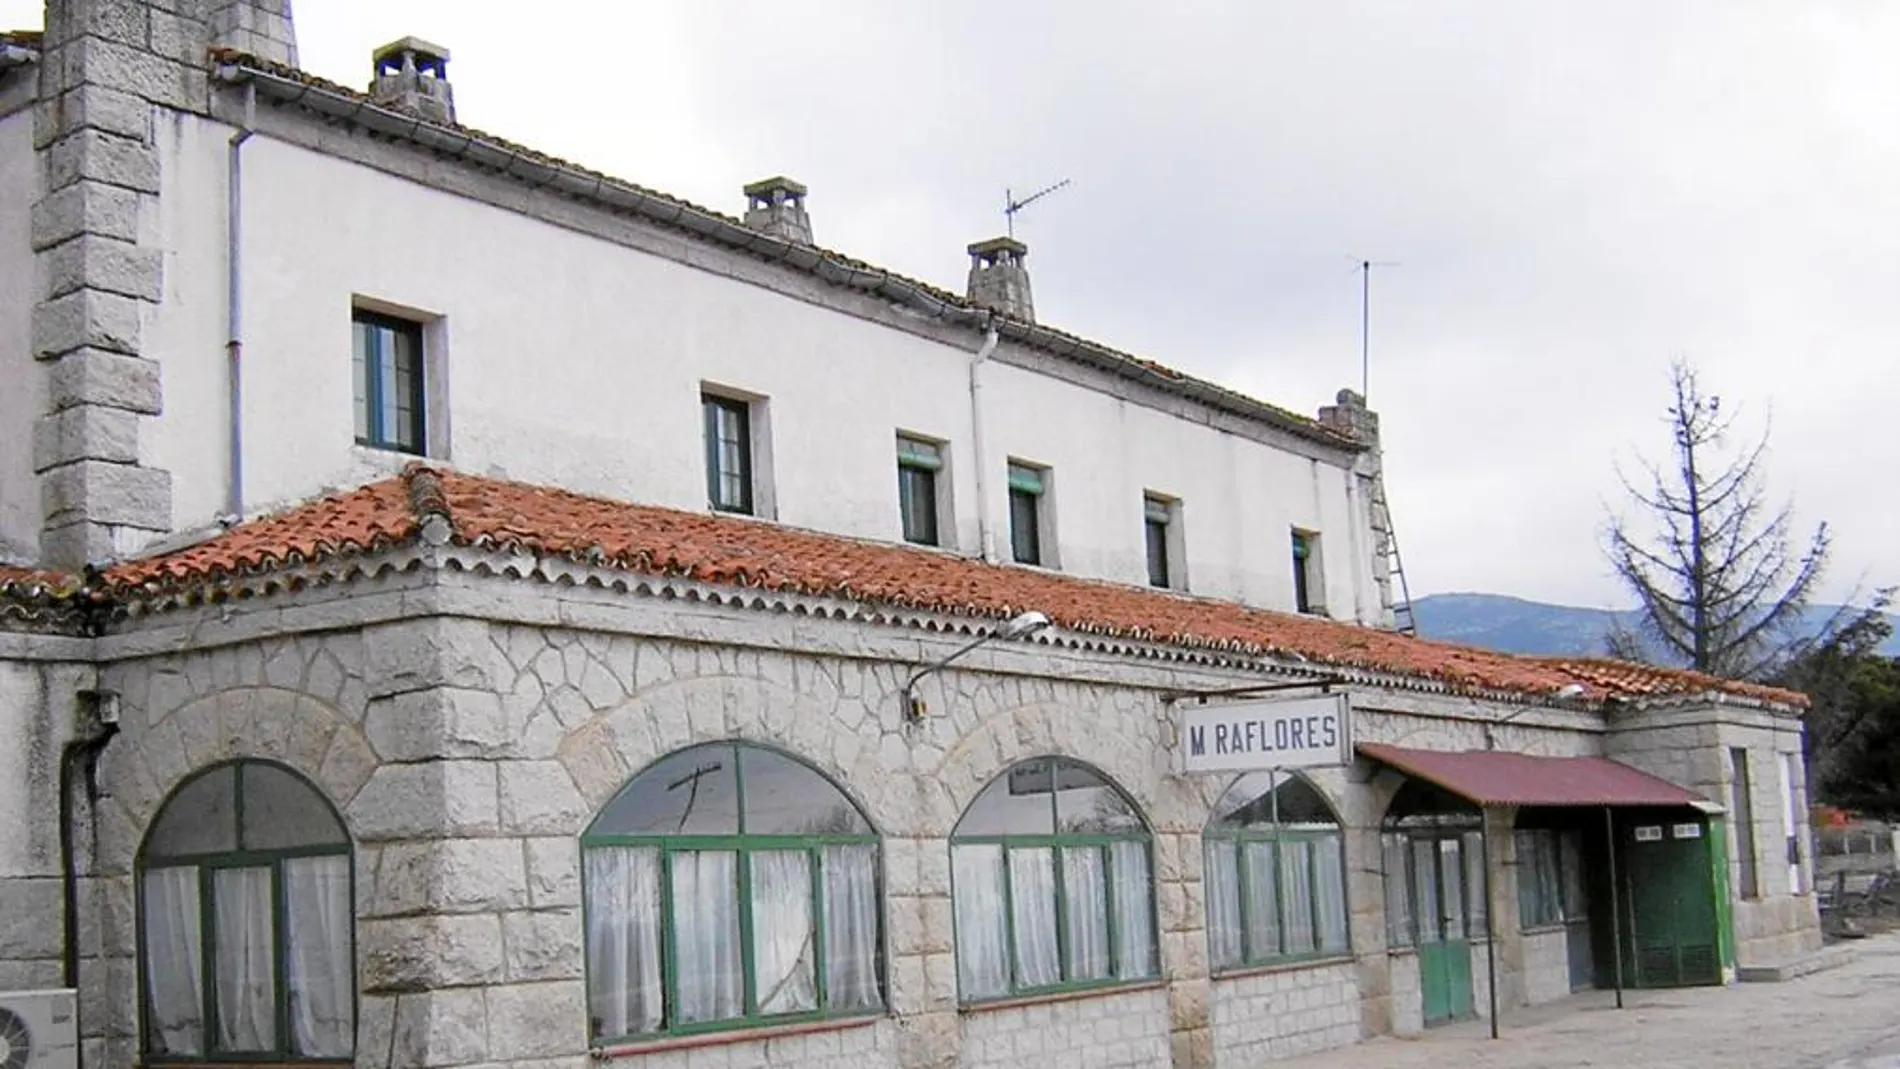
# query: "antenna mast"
1011,205
1365,322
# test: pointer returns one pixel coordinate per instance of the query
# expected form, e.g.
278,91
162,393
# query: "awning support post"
1616,909
1490,916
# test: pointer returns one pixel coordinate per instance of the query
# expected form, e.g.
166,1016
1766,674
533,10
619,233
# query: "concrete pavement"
1844,1018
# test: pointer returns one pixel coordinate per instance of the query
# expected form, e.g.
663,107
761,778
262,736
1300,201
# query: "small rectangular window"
388,383
1742,812
1157,522
1791,824
1027,486
1309,591
918,465
728,453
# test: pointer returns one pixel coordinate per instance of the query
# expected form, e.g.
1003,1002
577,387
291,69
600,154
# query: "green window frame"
226,832
728,453
1275,875
919,463
1423,815
1052,898
1027,485
388,380
681,921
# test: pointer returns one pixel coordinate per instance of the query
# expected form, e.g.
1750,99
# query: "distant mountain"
1514,625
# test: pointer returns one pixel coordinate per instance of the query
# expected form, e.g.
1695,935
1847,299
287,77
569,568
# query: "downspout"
234,299
984,547
76,757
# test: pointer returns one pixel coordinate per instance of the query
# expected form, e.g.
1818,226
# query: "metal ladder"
1403,620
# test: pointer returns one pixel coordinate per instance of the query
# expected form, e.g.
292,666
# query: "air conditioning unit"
39,1029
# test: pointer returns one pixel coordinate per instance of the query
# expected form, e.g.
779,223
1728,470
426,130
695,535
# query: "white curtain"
982,934
1329,887
710,978
851,927
623,941
1134,911
1262,900
1032,893
321,965
1296,891
784,932
1085,908
1398,897
1223,901
173,961
244,964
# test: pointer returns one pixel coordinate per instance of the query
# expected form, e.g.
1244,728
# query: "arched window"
1433,855
1276,874
729,885
246,921
1052,884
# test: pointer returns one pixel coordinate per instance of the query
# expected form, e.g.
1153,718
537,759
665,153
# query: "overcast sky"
1576,193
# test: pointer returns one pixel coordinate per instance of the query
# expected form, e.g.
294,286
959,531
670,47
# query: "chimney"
1351,416
412,76
777,207
259,28
998,279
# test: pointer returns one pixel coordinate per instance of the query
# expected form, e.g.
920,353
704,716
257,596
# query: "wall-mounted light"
1022,625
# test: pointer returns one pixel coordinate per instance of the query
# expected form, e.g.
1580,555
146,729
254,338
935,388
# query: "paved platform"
1843,1018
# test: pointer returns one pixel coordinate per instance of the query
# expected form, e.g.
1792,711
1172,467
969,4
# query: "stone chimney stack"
777,207
412,76
998,279
261,28
1350,415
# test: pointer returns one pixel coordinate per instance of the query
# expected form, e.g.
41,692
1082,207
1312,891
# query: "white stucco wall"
22,385
576,361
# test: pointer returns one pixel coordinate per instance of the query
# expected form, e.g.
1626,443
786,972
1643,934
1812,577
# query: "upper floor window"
729,886
919,467
1028,513
391,410
245,913
1051,884
1276,874
729,484
1309,584
1161,531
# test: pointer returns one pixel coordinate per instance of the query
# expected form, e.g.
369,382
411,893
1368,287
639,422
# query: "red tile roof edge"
438,506
1253,407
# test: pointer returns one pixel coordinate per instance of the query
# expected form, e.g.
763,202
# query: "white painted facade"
22,386
565,358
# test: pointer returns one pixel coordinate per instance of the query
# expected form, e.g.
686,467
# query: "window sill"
1073,994
1543,929
1268,968
720,1039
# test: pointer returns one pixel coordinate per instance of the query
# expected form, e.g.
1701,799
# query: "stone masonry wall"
37,712
1285,1012
1122,1031
1546,965
467,756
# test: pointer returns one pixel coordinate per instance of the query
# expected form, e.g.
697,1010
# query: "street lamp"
1022,625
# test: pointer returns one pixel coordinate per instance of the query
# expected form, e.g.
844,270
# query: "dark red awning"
1493,777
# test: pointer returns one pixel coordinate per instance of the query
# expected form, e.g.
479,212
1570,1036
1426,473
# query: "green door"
1444,947
1672,910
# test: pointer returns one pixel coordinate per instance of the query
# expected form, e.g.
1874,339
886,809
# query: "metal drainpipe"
984,547
234,263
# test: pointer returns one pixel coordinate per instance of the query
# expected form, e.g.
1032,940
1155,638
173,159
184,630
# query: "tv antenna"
1365,322
1011,205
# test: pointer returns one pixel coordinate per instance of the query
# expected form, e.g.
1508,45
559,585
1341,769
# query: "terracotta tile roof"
816,259
36,583
506,516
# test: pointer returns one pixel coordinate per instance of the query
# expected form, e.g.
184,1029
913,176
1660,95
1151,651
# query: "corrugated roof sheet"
1494,777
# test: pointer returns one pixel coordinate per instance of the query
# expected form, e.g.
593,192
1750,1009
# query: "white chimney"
412,75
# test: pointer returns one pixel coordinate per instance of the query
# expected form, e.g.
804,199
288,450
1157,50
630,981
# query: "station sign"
1266,733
